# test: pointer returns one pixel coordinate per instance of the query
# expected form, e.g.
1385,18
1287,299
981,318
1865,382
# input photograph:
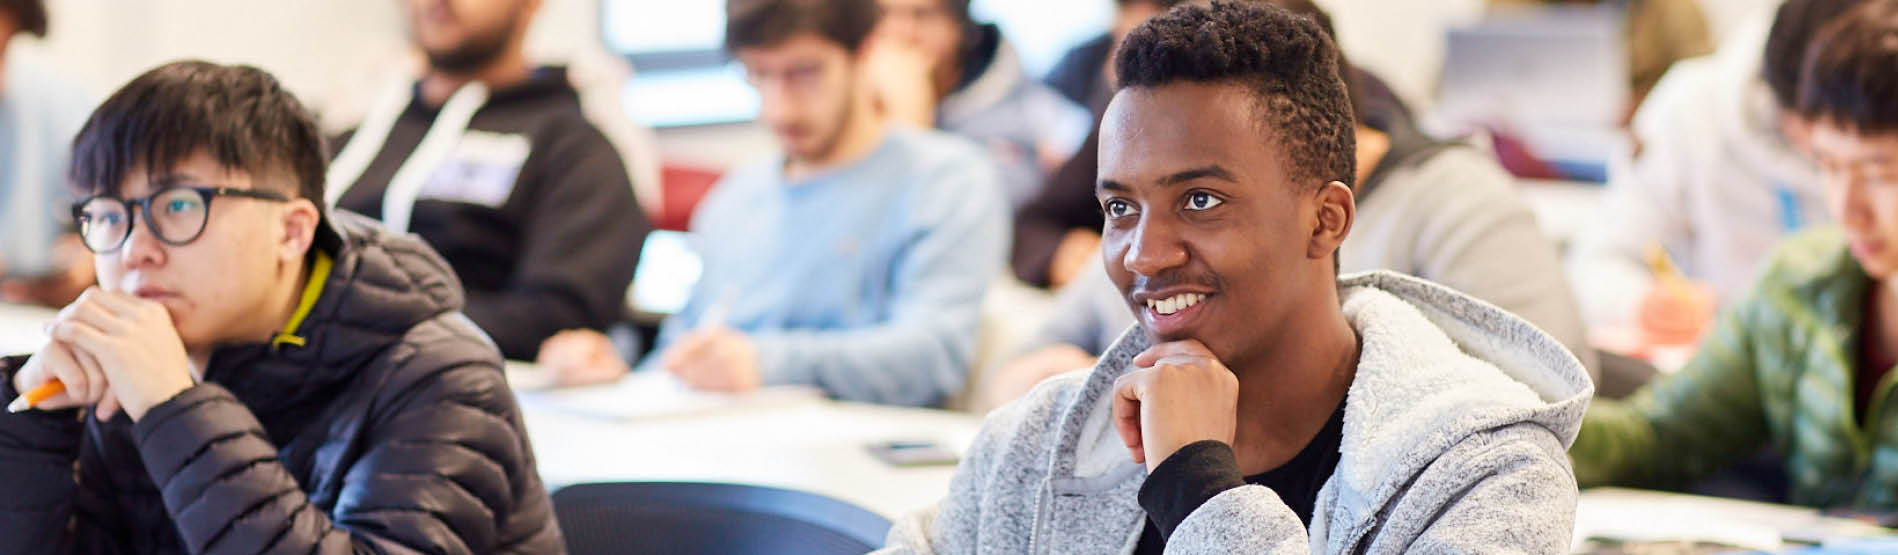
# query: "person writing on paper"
1265,404
1714,175
254,373
855,261
40,262
493,162
932,65
1802,364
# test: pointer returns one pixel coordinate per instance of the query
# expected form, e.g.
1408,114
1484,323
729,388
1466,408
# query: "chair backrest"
673,517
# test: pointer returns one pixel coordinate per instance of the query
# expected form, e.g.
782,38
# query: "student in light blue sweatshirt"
855,261
40,111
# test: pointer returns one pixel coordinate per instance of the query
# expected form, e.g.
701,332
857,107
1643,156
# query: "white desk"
802,443
813,445
1653,517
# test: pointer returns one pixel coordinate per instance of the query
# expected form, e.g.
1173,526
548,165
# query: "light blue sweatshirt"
39,114
866,281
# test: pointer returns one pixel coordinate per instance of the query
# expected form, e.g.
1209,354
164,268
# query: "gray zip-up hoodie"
1455,439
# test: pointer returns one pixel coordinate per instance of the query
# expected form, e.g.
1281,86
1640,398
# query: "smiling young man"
1263,404
1802,365
256,375
855,261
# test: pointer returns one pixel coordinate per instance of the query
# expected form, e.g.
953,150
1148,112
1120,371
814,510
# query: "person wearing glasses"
254,373
855,261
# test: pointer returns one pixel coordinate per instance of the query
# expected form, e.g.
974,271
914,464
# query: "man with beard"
855,261
492,162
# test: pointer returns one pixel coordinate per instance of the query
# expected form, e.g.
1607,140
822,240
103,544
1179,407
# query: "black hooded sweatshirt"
545,238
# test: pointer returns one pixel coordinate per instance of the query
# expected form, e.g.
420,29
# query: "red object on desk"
684,187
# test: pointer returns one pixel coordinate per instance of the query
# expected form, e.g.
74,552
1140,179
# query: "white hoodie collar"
1436,366
1002,76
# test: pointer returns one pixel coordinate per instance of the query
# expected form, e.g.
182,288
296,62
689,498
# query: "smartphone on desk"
911,453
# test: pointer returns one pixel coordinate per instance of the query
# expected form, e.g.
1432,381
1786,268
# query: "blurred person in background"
41,262
1800,365
1058,230
1085,74
855,260
932,65
494,163
1714,176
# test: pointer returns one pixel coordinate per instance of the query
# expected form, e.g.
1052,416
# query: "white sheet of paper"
1650,516
654,394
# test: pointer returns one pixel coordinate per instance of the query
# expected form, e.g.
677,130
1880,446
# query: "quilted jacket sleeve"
1685,425
48,507
434,474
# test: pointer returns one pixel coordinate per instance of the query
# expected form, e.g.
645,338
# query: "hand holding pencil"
59,378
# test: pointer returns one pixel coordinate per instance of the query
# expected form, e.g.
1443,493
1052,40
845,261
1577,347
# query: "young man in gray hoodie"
1262,404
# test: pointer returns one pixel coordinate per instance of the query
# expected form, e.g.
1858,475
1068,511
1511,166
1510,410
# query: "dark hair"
1795,26
756,23
239,115
1851,72
30,13
1287,61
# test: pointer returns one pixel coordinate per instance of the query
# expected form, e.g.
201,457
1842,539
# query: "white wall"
329,52
334,53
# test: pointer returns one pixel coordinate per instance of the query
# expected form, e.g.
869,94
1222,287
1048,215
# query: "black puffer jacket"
391,430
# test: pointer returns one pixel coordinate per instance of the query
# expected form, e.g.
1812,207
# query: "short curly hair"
1850,75
1288,62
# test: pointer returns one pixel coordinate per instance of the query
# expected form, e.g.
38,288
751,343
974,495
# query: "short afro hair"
1795,26
1288,62
1850,77
766,23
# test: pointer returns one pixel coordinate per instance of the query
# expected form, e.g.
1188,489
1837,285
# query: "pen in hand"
36,396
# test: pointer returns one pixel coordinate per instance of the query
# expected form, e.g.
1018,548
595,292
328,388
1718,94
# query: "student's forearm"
519,321
910,364
227,492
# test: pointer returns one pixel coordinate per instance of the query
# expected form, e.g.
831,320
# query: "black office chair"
671,517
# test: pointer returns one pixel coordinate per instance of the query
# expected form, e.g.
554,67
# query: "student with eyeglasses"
254,373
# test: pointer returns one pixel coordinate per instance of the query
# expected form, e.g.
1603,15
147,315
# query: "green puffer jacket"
1777,369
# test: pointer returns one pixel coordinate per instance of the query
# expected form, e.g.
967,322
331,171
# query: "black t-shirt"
1202,470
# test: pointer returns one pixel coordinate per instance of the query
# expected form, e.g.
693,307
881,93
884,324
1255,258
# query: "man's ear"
300,218
1337,210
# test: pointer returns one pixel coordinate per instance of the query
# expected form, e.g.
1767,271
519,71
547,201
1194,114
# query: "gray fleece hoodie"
1455,439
